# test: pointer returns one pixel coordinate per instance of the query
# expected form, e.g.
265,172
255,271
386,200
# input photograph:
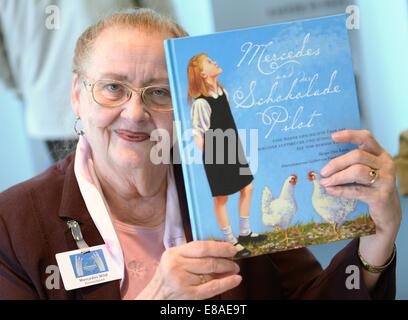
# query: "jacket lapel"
73,208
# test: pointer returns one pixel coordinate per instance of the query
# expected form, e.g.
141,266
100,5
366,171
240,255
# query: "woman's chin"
130,159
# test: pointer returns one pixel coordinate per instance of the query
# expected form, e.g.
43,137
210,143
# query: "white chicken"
333,210
280,211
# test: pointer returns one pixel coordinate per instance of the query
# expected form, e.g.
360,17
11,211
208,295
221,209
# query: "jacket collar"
72,204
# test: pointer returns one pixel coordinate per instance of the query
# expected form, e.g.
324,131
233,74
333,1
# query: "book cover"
254,112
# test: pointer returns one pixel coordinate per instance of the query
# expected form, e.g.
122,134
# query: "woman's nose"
135,109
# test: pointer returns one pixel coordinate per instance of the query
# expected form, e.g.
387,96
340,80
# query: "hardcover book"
254,111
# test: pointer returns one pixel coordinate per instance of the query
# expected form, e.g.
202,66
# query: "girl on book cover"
211,116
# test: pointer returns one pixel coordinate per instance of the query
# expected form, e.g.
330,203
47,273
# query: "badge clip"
77,235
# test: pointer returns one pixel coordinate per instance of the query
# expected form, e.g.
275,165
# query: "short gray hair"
140,18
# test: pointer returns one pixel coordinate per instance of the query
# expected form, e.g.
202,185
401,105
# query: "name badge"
86,267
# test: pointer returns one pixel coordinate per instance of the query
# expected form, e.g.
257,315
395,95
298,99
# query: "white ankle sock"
228,235
244,228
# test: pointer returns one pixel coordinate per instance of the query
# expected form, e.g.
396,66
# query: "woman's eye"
160,92
113,90
113,87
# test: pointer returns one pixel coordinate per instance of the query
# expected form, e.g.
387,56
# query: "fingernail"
237,268
335,134
324,171
237,278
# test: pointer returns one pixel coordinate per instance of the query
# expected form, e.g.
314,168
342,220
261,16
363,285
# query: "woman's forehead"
128,55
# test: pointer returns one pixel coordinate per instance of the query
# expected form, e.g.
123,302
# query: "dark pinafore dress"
224,178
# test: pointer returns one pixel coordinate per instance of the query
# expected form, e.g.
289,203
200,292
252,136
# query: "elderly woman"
110,193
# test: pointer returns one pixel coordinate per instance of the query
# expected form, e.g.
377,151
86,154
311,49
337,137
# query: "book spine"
178,104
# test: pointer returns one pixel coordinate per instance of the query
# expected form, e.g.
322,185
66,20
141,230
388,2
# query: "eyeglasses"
112,93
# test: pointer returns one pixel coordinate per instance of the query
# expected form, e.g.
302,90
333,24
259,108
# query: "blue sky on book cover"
292,82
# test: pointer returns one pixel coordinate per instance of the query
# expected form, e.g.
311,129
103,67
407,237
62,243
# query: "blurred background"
37,39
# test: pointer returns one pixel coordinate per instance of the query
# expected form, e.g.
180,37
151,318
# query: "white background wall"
21,158
195,16
384,50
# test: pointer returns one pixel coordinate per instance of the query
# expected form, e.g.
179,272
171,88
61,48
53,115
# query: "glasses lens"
109,93
158,97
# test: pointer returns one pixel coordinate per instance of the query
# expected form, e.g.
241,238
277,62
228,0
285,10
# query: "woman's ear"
75,94
203,75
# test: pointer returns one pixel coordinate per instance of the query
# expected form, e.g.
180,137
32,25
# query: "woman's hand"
381,195
354,167
195,270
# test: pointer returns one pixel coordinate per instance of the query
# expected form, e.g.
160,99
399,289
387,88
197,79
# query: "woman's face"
210,68
120,136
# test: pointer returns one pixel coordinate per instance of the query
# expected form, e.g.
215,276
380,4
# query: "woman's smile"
132,136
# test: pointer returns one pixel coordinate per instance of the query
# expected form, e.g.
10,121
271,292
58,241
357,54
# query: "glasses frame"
91,85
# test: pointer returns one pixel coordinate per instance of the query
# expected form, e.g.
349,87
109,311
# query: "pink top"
142,248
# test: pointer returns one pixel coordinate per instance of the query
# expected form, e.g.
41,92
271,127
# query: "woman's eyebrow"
157,81
124,77
114,76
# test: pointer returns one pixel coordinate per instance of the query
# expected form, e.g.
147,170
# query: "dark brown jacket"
33,229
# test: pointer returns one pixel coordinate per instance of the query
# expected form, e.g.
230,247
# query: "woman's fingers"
357,192
350,158
217,286
363,138
357,173
210,266
199,249
196,270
